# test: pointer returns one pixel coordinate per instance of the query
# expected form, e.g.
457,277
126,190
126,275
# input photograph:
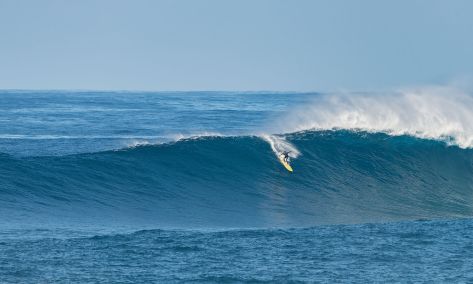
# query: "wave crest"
440,113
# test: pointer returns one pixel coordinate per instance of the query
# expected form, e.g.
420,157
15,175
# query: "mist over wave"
437,112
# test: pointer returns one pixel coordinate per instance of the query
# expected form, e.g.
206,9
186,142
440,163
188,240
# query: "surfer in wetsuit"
286,157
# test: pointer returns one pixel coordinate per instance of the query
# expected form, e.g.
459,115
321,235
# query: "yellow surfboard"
285,164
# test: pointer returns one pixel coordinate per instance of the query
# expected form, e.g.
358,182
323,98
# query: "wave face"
340,177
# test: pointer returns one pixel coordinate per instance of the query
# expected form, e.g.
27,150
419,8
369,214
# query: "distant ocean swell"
340,177
392,252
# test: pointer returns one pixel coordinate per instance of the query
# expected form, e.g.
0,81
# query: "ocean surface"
140,187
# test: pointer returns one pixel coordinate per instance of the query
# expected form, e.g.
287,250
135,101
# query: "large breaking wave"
357,158
341,177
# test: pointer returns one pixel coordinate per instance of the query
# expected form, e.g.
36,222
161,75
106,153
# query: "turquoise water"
146,187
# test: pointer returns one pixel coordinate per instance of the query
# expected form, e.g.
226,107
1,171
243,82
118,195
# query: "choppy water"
141,187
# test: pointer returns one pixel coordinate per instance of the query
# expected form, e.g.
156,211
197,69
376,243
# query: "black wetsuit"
286,157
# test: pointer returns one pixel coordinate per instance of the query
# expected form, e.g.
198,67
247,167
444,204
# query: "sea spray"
440,113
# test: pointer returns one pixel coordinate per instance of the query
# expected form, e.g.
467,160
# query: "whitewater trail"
280,145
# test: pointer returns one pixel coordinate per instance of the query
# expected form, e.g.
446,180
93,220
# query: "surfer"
286,157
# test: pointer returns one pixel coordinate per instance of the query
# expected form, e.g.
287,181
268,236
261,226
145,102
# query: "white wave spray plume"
441,113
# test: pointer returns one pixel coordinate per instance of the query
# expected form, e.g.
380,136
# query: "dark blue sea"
145,187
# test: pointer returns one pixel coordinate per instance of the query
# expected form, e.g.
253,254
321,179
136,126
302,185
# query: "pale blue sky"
233,45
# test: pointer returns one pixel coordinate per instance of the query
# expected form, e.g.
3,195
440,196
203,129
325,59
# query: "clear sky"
233,45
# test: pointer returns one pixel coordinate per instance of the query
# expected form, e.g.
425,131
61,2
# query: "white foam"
279,145
180,136
441,113
138,142
143,141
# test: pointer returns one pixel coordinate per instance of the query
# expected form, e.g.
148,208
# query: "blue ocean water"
177,187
